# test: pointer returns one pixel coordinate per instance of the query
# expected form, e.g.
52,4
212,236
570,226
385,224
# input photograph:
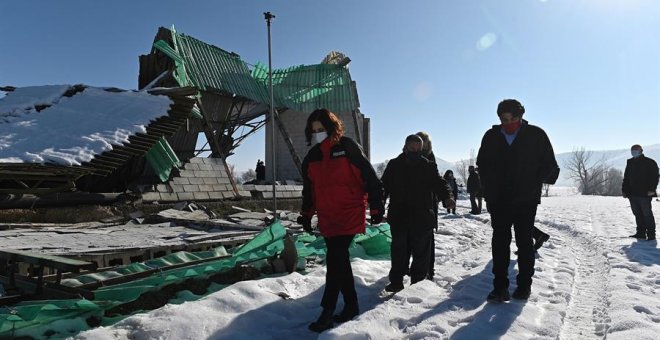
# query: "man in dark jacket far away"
640,180
411,181
514,161
474,189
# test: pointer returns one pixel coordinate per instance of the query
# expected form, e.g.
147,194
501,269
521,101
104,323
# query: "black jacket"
640,177
514,174
411,186
451,181
474,184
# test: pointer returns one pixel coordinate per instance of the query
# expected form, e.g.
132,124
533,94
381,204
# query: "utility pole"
269,17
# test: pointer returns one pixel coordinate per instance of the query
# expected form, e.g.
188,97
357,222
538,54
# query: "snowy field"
591,282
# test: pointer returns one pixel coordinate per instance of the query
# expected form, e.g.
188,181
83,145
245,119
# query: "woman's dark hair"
447,173
331,123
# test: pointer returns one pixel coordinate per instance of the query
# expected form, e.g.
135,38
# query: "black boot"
499,295
540,240
323,323
521,293
642,236
394,287
349,312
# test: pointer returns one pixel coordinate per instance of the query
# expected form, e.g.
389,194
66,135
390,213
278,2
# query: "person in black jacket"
640,180
474,189
411,181
261,170
427,152
514,161
451,181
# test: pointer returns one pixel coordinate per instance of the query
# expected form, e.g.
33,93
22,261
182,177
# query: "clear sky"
587,71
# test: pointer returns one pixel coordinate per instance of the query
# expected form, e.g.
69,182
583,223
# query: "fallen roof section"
54,135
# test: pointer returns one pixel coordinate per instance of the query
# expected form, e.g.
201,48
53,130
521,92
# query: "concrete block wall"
281,191
200,179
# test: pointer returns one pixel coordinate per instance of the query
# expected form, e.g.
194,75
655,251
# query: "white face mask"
319,136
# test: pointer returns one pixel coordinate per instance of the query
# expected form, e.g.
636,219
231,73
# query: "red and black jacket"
338,181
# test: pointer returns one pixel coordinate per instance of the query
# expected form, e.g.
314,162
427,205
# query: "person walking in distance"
451,181
640,181
474,189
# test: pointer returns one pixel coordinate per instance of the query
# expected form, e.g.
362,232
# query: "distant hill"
614,158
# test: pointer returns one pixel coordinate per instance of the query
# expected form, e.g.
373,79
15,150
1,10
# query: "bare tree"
589,175
612,186
546,189
380,168
248,175
463,164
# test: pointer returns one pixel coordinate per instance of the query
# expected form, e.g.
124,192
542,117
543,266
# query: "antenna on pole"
269,17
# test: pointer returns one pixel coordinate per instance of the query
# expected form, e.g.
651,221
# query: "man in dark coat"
261,170
474,189
514,161
640,180
411,181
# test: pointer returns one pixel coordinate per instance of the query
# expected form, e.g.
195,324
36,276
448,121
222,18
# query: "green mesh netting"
31,318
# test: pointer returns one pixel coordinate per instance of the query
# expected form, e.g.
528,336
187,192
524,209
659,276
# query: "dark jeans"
522,220
339,277
407,241
641,208
476,208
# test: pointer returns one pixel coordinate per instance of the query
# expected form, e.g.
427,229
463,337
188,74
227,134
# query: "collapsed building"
212,93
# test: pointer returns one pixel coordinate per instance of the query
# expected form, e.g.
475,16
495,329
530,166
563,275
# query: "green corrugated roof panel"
309,87
162,159
302,88
210,66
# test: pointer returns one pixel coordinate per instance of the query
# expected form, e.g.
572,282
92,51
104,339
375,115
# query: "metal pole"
269,16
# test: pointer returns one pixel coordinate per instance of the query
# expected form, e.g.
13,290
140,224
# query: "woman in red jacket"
338,182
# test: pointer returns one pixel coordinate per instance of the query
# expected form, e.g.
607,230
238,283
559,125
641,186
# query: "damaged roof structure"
60,137
233,96
187,88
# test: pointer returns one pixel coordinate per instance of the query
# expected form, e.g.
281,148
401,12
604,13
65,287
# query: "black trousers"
339,277
476,207
641,208
522,220
407,241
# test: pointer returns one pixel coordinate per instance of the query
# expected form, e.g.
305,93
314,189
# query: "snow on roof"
71,130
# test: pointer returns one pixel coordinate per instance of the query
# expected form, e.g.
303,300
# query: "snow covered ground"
591,282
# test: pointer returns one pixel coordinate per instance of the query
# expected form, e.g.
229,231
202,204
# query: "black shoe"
499,295
521,293
348,313
324,322
539,241
638,236
394,287
651,238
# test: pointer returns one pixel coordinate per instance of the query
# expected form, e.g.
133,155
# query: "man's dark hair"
414,139
511,105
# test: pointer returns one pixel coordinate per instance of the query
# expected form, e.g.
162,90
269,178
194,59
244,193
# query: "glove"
376,216
306,223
